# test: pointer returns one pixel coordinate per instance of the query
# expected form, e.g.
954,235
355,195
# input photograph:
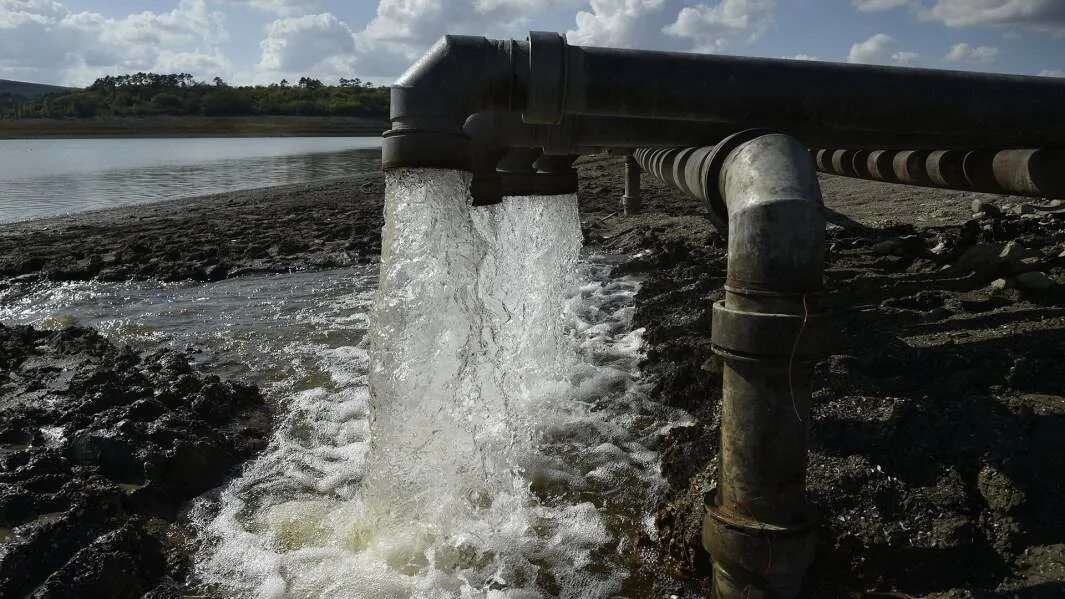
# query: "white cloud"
712,28
621,23
877,5
965,53
801,57
672,24
306,44
880,49
871,50
285,8
1047,15
1052,73
905,58
43,40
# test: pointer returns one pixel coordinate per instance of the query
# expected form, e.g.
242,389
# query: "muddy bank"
279,229
100,451
938,438
939,421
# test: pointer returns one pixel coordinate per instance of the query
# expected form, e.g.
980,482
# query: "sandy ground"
938,437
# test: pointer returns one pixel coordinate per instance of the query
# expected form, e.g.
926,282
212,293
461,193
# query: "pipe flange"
547,78
425,148
752,555
738,334
713,166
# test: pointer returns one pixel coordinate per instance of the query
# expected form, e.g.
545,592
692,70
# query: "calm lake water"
48,177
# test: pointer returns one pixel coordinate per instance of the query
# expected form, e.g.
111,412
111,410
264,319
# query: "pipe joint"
755,560
459,76
739,334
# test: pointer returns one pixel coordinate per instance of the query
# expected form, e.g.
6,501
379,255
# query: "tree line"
151,94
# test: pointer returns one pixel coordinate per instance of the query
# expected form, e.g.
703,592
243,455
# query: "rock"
1000,284
986,207
216,272
1011,251
1025,265
1035,281
992,258
139,437
907,245
979,256
999,491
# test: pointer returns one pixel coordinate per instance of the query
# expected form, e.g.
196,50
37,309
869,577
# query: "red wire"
791,361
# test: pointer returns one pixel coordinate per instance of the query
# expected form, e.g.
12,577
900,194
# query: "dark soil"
938,438
100,449
295,227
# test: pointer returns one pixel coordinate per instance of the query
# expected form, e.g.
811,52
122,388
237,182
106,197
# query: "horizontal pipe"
823,104
792,95
1024,172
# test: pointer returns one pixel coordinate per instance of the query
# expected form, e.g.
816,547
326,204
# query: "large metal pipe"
825,104
1008,111
759,529
1027,172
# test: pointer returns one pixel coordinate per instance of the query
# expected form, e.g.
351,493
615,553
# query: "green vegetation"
149,94
11,90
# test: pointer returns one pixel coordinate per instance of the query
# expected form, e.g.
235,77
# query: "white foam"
506,457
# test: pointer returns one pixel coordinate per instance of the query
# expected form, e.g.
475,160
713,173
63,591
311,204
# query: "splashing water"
509,454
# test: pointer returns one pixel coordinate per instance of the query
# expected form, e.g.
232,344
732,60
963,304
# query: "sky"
72,42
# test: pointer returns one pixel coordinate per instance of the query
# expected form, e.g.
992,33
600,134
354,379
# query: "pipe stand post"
759,528
631,202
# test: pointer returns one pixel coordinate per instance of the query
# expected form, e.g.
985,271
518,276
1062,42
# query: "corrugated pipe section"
1032,172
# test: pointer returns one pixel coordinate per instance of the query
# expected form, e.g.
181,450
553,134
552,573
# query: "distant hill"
30,90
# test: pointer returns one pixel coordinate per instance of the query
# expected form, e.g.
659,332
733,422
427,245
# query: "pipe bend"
430,103
776,216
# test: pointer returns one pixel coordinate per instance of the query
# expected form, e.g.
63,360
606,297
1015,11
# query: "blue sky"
246,41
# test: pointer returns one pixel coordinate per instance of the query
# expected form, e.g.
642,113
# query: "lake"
49,177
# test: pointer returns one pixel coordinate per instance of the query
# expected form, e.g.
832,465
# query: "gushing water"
505,450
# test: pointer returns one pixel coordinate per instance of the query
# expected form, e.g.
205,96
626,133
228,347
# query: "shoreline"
193,126
936,443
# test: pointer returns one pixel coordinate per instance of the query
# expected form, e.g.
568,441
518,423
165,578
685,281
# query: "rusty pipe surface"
759,528
1027,172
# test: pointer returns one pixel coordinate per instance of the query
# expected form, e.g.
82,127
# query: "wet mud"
938,432
101,449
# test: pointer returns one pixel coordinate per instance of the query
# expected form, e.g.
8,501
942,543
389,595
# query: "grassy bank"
190,126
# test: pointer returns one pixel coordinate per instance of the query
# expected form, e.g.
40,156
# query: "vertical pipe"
760,528
631,202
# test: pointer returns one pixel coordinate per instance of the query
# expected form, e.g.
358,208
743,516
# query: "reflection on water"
263,329
41,178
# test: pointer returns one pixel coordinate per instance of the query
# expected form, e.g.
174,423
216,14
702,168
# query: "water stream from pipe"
493,438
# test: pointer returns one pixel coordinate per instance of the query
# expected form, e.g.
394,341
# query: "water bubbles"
504,459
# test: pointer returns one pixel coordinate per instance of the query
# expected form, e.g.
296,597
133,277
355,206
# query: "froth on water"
491,443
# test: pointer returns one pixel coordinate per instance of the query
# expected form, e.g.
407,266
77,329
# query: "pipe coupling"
738,334
756,560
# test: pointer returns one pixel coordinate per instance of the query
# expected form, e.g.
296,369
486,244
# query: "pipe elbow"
776,216
430,103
